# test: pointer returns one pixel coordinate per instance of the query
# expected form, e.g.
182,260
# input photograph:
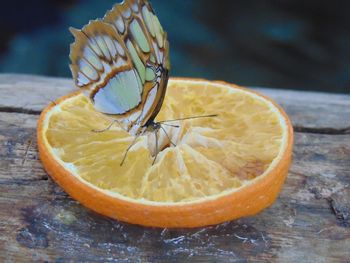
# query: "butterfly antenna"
190,118
167,135
127,150
155,158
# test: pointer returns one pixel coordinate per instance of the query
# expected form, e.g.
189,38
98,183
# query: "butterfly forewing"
122,61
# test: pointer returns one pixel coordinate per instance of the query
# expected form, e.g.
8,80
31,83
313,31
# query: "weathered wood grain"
309,111
310,222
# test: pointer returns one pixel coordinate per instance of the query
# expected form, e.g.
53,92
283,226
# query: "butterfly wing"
122,62
101,65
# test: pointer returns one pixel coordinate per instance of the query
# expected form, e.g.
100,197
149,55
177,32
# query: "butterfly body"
122,64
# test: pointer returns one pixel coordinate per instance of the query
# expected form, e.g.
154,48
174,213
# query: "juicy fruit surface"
212,155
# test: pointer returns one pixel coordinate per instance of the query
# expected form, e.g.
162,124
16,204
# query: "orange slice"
221,168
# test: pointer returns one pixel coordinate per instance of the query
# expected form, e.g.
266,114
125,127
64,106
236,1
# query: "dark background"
294,44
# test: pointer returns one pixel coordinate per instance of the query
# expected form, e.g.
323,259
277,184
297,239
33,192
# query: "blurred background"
292,44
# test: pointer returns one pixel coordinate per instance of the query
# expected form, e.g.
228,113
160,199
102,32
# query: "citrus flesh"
207,170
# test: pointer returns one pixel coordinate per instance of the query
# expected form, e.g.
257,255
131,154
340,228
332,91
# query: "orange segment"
222,168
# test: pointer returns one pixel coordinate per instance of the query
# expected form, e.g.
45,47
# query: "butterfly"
122,64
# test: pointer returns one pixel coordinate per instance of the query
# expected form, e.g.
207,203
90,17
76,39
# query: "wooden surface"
310,222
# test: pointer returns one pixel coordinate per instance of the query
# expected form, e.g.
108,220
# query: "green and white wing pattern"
122,61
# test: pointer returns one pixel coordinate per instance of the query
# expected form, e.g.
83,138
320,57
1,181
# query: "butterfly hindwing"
122,61
102,65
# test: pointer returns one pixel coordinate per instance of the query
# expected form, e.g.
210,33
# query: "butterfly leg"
171,125
30,142
109,127
53,102
167,135
127,150
157,150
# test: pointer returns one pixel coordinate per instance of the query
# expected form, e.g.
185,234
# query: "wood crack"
23,181
19,110
326,131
